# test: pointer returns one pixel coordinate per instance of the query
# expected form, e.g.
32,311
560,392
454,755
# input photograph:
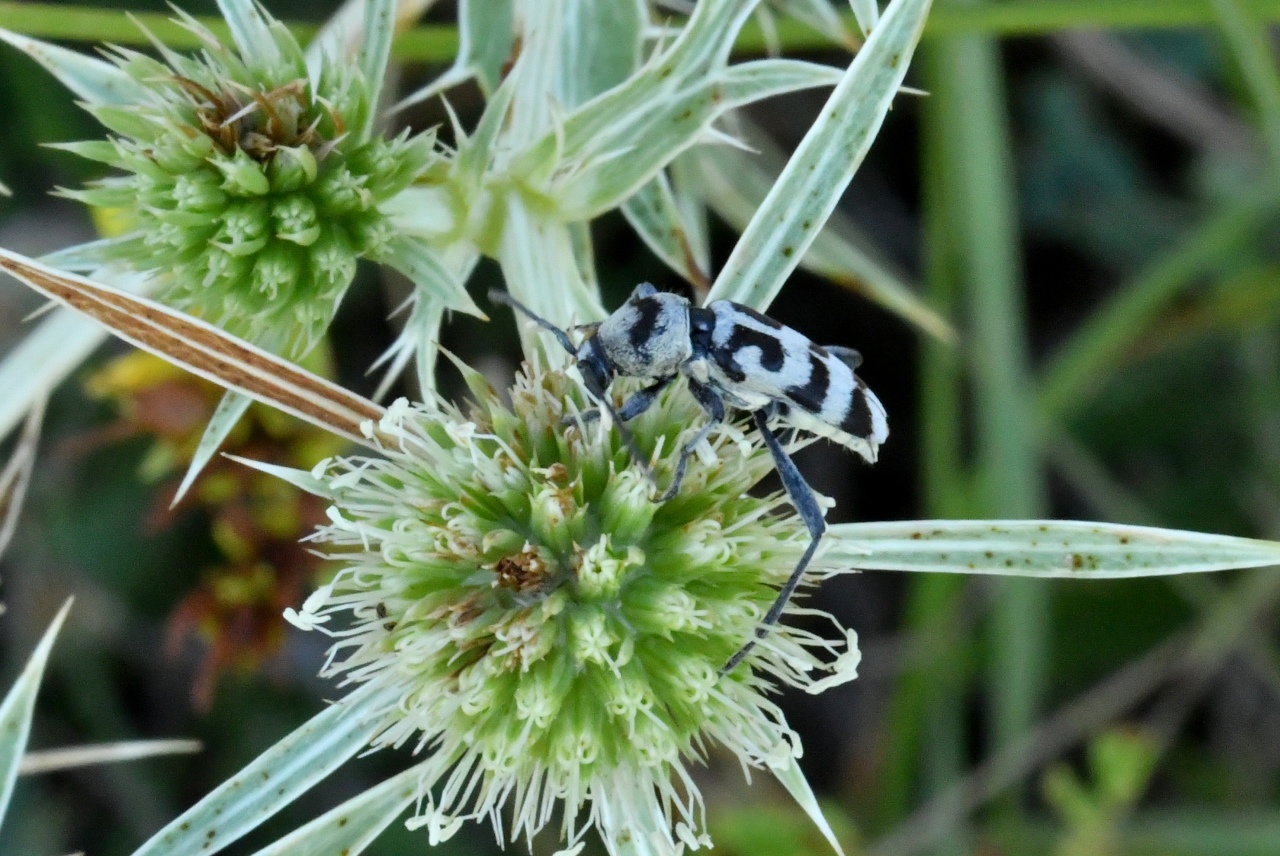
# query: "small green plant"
1120,765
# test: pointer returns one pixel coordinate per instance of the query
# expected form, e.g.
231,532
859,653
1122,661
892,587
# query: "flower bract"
252,181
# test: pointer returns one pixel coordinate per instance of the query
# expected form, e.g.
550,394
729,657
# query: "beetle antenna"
506,299
629,439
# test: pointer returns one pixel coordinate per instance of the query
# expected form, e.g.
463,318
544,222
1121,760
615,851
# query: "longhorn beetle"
730,355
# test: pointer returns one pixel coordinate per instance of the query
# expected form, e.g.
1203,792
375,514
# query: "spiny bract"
253,183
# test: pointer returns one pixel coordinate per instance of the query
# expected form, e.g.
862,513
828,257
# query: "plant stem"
967,83
436,43
925,723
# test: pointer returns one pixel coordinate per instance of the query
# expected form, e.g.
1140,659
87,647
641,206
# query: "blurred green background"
1089,192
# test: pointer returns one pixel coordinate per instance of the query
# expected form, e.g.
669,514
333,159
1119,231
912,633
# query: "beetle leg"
802,497
638,403
714,405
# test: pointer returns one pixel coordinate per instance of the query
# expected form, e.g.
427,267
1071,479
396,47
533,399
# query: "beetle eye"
595,375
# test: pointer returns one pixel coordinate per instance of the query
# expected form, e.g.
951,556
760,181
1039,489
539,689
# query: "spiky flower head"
253,179
550,633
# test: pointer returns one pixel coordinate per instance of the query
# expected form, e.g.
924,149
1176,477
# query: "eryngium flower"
253,183
552,634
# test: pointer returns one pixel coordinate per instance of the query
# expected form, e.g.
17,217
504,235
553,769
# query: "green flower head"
552,634
252,180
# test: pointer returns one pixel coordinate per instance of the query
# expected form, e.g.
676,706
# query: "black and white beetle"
730,355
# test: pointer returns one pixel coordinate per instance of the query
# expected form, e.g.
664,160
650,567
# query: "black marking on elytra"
772,354
857,421
813,394
648,311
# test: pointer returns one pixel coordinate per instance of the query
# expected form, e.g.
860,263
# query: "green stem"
925,730
437,43
967,83
1250,43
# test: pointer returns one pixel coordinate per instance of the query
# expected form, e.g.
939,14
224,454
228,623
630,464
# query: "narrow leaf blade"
223,421
250,31
1040,548
734,183
659,221
342,34
351,827
91,79
272,780
18,707
792,778
375,51
867,13
202,349
49,760
823,164
16,475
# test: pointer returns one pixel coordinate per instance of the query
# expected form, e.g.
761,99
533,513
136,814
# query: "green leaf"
343,33
1040,548
1249,39
301,479
273,779
352,826
747,82
16,475
223,421
541,270
486,36
91,79
420,337
823,164
71,757
374,54
659,221
18,707
821,17
792,778
423,266
734,183
476,152
251,30
867,13
613,167
103,151
601,44
693,211
686,65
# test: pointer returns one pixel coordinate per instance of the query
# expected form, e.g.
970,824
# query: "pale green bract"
17,709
